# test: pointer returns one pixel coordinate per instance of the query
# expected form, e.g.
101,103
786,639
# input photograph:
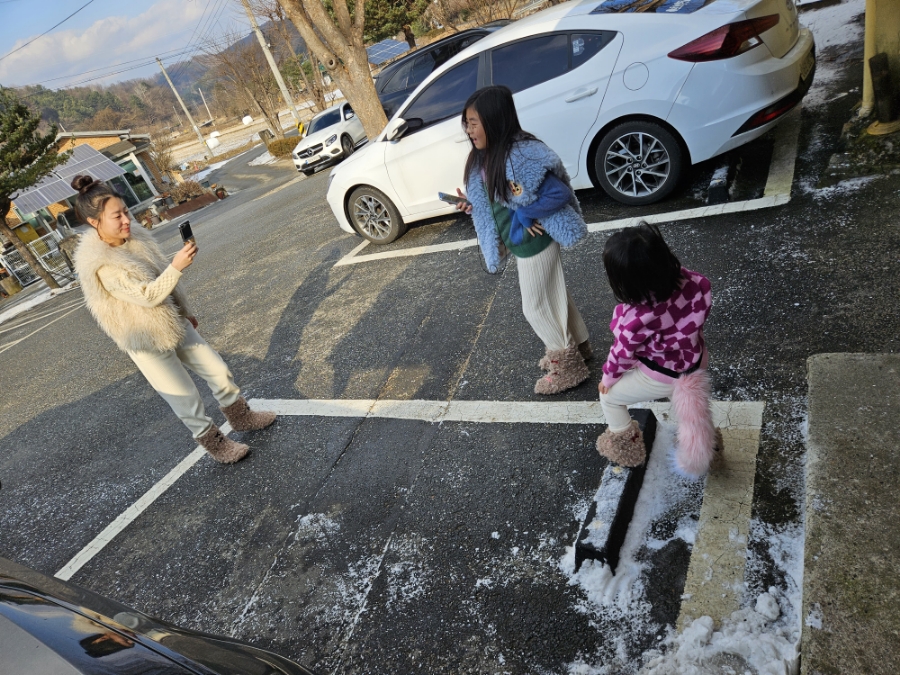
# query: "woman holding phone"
132,291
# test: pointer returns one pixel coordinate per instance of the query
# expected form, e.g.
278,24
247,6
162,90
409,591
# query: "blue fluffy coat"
527,165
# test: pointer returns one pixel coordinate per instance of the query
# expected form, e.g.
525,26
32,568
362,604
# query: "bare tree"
336,39
161,152
313,83
244,66
483,11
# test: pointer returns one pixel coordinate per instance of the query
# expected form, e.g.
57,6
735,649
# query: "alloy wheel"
372,217
637,164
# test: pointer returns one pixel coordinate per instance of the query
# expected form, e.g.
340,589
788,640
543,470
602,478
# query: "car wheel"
638,163
347,146
374,215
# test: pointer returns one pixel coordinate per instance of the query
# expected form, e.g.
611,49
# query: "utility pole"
204,102
184,107
175,110
271,60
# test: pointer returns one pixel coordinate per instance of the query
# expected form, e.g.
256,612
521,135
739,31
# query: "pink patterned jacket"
669,333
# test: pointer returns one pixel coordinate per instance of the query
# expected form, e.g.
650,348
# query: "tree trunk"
338,43
408,36
318,86
26,253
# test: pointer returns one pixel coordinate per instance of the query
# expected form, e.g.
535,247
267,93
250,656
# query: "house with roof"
127,164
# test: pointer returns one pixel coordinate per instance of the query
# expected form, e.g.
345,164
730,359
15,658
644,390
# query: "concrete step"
851,584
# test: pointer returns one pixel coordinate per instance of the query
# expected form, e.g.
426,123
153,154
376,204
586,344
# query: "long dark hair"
640,266
497,110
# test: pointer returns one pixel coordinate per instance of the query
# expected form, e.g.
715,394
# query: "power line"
48,30
166,54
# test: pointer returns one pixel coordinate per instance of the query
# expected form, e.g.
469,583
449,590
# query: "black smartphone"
186,233
450,199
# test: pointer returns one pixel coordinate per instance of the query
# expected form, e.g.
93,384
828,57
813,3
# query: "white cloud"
166,25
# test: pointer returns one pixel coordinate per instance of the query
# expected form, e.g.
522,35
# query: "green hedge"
282,147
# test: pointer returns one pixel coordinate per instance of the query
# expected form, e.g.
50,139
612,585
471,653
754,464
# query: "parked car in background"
629,100
332,135
53,627
397,81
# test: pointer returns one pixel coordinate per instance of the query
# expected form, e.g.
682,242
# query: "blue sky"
102,35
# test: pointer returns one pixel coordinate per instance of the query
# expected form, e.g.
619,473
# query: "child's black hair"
640,266
497,110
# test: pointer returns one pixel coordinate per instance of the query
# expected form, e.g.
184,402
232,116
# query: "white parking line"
10,345
776,193
128,516
735,415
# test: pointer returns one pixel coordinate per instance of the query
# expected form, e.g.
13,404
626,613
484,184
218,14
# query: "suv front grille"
309,152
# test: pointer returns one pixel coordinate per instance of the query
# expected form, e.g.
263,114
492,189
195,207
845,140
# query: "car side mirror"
395,129
350,115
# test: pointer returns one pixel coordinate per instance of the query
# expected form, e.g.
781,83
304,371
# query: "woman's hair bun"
83,183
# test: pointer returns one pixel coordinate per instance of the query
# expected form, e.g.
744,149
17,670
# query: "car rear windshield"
325,121
666,7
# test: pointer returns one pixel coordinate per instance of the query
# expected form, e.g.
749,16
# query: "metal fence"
46,250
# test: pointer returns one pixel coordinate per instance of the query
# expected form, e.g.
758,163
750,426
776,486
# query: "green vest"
530,246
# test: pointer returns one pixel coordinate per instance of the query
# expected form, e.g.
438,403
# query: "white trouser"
635,386
167,375
546,302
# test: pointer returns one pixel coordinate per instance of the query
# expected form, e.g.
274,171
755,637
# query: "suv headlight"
331,139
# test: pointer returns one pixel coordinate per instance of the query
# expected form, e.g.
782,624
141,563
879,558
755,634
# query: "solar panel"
56,186
385,50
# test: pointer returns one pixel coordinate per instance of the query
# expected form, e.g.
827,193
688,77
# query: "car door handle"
581,93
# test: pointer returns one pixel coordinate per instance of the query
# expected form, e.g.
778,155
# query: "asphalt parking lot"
358,542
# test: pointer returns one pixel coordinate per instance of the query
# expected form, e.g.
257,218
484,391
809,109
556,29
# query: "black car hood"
70,619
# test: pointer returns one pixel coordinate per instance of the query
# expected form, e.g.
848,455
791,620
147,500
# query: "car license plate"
807,65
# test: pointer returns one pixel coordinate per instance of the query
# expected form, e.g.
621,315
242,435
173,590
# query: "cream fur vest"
132,327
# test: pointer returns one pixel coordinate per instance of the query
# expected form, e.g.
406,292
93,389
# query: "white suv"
331,135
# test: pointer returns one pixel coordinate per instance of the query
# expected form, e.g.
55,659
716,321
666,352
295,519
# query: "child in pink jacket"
658,350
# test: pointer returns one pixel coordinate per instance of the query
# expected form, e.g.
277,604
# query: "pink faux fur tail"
696,433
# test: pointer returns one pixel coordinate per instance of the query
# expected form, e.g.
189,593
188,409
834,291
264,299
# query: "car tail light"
727,41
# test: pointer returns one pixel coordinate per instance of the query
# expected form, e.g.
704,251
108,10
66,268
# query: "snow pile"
263,159
831,26
750,640
38,299
621,599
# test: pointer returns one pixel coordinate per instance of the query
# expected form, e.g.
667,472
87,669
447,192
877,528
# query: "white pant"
167,375
546,302
635,386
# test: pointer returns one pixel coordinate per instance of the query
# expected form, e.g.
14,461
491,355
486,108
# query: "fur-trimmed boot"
625,448
587,353
567,370
222,448
242,418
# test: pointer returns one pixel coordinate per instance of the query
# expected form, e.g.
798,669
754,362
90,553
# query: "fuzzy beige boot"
222,448
567,370
242,418
587,353
625,448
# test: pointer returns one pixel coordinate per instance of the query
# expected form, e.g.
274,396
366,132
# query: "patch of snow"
38,299
620,600
263,159
831,26
839,190
747,642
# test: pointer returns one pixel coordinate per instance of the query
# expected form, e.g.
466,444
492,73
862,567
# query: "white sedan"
331,135
628,99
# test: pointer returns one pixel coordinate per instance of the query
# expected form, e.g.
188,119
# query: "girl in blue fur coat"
521,201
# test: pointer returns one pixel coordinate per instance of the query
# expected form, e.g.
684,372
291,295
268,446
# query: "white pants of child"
546,302
635,386
166,373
